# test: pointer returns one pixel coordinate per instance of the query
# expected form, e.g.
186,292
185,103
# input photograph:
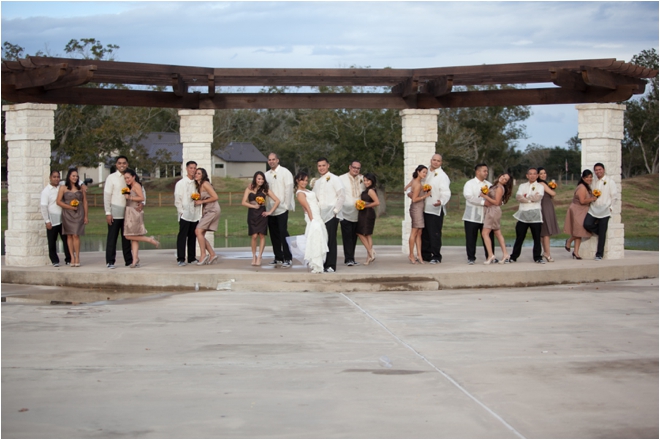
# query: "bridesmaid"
497,196
549,226
577,212
367,216
134,229
254,199
72,198
417,213
210,216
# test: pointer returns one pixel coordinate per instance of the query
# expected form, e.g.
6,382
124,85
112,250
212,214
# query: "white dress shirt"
50,211
602,207
353,187
474,204
280,181
440,191
330,194
114,201
529,195
185,205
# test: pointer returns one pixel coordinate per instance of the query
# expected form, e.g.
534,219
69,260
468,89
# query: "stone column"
419,133
600,127
196,131
28,131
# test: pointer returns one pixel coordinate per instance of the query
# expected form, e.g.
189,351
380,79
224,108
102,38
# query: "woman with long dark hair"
577,212
498,195
316,235
72,198
549,226
367,215
417,213
134,229
254,199
210,216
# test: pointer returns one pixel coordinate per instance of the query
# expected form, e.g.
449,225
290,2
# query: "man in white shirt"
114,203
529,215
353,186
280,181
330,194
52,215
598,216
473,217
435,209
188,215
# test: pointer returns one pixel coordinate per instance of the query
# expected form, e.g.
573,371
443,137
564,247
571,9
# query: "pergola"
34,84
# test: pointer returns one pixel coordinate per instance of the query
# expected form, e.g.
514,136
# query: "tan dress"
417,214
492,214
73,222
575,217
210,214
133,219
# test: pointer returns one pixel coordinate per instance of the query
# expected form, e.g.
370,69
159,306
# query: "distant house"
238,159
167,150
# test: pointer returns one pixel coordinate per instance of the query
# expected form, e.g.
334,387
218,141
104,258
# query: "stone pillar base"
614,243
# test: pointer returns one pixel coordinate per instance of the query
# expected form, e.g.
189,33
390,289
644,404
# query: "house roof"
170,142
241,152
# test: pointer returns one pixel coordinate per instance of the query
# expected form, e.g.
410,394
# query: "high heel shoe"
213,260
258,261
566,245
412,260
420,261
505,259
136,264
204,261
155,242
490,260
254,260
549,258
576,257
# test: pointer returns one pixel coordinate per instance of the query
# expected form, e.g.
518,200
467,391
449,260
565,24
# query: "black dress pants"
331,257
114,230
521,233
349,239
277,225
51,236
432,236
186,238
597,226
472,231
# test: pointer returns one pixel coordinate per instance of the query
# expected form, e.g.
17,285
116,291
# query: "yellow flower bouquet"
260,200
426,187
360,204
126,190
74,203
552,185
484,189
597,193
195,196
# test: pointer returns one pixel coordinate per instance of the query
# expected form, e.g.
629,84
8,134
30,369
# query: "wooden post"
160,200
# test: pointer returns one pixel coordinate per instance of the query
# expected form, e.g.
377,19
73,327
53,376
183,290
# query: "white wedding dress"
316,236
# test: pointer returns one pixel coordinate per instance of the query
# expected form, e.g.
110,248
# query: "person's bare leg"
578,241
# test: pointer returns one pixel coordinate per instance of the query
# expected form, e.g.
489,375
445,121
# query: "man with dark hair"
330,194
52,214
188,213
529,216
114,203
353,187
435,209
598,216
473,217
280,182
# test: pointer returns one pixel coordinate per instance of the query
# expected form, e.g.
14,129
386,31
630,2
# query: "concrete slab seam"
449,378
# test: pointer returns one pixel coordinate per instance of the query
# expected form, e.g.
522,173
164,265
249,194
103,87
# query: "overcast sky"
342,34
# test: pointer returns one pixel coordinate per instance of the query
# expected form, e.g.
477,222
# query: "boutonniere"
436,174
533,188
604,182
274,175
361,181
327,179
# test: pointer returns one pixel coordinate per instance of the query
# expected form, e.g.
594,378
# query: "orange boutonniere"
327,179
597,193
552,185
360,204
75,203
484,189
195,196
126,190
260,200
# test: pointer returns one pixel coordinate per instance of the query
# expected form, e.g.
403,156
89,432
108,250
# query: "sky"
337,34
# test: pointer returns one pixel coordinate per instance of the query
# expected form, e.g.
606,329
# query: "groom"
330,194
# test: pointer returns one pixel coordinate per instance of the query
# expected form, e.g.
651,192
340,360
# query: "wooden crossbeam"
439,86
211,86
568,79
38,77
179,87
74,77
600,78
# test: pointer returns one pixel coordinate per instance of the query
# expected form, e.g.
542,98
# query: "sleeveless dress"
316,236
210,214
549,226
133,219
366,217
492,214
417,214
575,218
73,222
257,224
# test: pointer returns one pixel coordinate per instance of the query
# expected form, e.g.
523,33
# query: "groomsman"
353,187
473,217
529,215
188,214
280,181
52,215
435,209
330,194
598,216
114,203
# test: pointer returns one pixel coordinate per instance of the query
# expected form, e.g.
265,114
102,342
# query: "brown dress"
417,214
575,217
73,222
366,217
210,214
492,214
549,226
133,219
257,223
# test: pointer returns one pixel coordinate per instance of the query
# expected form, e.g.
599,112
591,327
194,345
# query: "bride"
316,236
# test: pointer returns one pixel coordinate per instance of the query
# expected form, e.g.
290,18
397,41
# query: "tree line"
87,135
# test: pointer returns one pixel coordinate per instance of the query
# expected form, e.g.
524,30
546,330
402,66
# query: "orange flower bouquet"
260,200
552,185
75,203
125,190
427,187
195,196
484,189
597,193
360,204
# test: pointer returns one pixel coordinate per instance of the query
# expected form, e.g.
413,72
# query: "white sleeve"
44,206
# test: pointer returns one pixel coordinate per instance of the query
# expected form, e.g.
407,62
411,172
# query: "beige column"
419,133
29,129
600,127
196,131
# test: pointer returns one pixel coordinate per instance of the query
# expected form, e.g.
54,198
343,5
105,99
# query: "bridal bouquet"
484,189
75,203
260,200
125,190
552,185
360,204
597,193
426,187
195,196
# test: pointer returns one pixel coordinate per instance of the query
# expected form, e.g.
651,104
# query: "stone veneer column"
28,131
196,131
419,133
600,127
